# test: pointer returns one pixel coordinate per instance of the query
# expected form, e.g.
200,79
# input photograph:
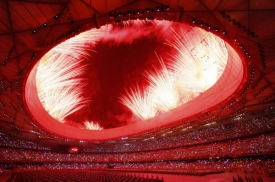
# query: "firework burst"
162,87
58,78
199,62
141,102
92,126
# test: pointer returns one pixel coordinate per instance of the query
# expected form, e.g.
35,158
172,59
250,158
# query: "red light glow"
73,150
192,71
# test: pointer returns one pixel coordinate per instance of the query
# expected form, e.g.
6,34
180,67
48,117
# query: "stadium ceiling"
29,28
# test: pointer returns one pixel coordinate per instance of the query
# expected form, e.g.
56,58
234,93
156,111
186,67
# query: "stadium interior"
225,132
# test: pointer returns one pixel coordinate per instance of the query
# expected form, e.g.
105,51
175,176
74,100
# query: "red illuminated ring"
222,89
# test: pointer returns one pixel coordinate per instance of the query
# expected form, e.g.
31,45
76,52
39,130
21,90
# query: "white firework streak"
162,85
200,61
58,82
90,125
141,103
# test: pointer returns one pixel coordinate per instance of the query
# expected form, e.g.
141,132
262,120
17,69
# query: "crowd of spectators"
228,147
249,165
187,137
195,136
257,145
6,141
